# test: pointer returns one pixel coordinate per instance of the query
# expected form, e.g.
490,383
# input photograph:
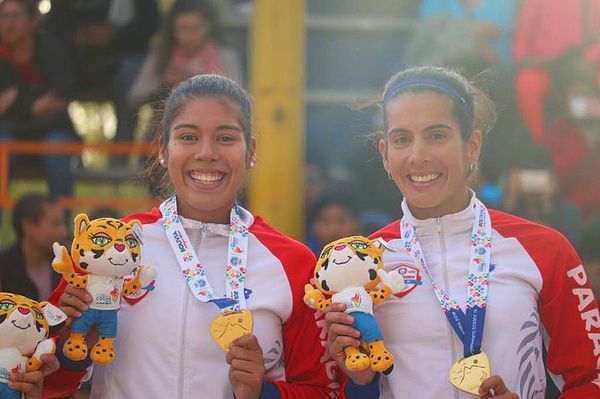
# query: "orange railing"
35,147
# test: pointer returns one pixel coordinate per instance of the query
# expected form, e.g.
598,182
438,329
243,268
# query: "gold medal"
227,327
468,373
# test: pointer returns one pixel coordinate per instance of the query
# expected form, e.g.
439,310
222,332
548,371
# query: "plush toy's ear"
81,223
136,229
381,243
54,315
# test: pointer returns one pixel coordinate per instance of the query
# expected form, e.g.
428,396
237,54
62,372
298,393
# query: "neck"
34,257
452,205
23,50
218,216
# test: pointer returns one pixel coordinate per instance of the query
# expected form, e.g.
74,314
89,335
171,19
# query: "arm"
571,319
143,276
314,298
306,374
381,294
392,283
62,264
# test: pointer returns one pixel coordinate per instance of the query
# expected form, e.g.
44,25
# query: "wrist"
365,379
367,390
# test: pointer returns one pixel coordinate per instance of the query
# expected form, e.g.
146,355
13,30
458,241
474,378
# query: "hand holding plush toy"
24,328
104,251
351,270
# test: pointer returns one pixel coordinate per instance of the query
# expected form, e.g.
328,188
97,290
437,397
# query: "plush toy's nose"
119,247
23,310
340,247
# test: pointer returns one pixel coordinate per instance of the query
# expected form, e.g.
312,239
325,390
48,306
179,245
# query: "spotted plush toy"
24,328
103,252
351,271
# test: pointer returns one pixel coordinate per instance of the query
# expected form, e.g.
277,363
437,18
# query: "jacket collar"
216,229
451,223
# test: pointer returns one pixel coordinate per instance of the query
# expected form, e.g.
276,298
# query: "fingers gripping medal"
234,320
229,326
468,373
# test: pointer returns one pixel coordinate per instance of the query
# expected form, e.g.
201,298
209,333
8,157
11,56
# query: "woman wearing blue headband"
486,292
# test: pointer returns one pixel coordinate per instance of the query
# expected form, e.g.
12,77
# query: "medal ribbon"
467,325
193,271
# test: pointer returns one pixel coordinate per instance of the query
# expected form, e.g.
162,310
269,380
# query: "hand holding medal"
228,327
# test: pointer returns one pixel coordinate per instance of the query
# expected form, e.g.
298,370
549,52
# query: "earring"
471,168
252,164
389,175
162,162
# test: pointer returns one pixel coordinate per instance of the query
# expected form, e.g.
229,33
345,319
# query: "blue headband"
438,84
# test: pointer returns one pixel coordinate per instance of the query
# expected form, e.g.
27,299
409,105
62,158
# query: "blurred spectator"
109,40
25,268
190,43
333,216
373,220
457,32
315,183
544,31
534,195
573,135
590,253
37,84
104,212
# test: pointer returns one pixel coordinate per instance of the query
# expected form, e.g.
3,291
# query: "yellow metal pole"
277,87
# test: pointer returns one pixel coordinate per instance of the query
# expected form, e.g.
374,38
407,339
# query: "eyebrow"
432,127
195,127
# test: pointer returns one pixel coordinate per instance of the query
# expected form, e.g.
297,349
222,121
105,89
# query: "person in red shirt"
543,32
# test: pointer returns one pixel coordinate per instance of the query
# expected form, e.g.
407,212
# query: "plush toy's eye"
326,253
131,241
101,239
38,315
6,305
358,245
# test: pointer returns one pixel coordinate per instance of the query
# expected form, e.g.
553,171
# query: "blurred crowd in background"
538,59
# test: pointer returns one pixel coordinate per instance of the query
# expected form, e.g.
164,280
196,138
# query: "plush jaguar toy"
24,328
103,252
351,271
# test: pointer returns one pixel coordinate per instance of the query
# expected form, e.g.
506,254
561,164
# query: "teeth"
424,179
206,178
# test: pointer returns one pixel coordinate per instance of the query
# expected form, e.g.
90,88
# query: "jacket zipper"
186,301
451,333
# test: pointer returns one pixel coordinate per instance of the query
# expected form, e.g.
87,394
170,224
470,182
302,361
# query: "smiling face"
425,154
106,246
207,158
22,323
349,262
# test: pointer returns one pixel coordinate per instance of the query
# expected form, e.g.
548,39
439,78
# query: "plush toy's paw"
312,296
381,359
46,346
75,348
103,351
357,361
147,274
393,280
61,259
